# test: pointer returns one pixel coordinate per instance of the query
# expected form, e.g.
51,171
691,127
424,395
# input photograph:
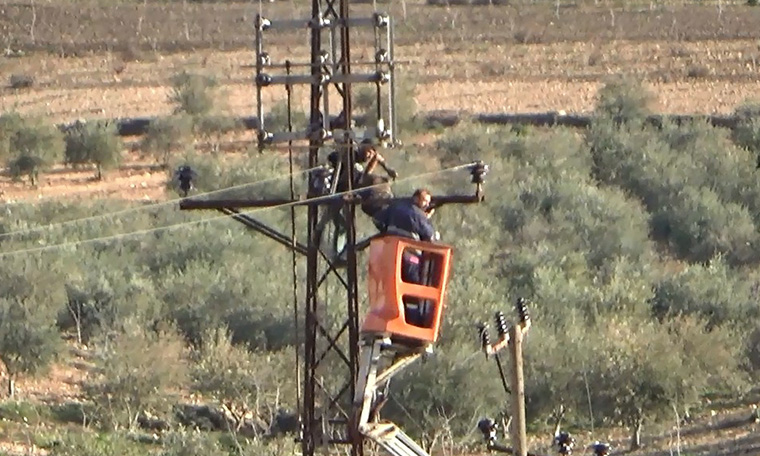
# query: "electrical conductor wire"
195,222
141,208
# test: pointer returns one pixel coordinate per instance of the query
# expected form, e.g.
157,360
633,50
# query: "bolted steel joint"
383,77
320,22
320,134
382,56
264,59
382,20
262,23
265,137
263,79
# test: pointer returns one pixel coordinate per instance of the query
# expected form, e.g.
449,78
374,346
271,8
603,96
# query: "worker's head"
421,198
366,150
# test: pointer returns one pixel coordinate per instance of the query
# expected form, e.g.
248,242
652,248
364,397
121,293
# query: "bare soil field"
95,60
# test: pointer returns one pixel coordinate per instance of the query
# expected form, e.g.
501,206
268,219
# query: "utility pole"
511,336
518,432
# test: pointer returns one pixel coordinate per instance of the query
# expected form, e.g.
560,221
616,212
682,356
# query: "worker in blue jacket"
411,219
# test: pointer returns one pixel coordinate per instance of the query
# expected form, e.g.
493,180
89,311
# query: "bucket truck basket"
407,286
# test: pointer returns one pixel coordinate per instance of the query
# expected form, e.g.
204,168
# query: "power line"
140,208
195,222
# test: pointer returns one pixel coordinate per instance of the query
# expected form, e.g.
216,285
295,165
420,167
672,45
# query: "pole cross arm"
197,204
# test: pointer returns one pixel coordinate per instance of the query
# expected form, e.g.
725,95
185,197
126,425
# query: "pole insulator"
485,338
501,324
522,311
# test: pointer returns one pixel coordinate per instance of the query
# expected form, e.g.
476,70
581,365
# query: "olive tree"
97,143
32,148
28,339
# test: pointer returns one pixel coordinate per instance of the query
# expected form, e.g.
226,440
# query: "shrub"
191,444
33,148
628,370
213,128
238,378
405,110
747,131
713,292
77,443
193,93
167,135
623,99
10,123
698,225
28,340
276,120
136,371
97,143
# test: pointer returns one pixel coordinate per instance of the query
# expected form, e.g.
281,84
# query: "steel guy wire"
145,207
195,222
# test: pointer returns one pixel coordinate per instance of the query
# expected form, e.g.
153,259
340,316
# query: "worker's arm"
423,227
388,170
377,159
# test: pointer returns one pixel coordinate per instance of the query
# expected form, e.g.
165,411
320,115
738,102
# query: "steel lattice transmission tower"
330,342
326,411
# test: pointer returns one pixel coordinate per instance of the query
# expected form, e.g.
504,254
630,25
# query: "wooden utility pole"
518,432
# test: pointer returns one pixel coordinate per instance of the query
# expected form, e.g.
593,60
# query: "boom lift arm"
401,325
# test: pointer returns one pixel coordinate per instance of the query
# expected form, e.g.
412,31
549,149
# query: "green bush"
10,123
276,120
191,444
713,291
193,93
747,133
230,374
623,99
32,147
28,340
365,104
628,370
167,135
99,302
137,369
77,443
97,143
213,128
699,226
